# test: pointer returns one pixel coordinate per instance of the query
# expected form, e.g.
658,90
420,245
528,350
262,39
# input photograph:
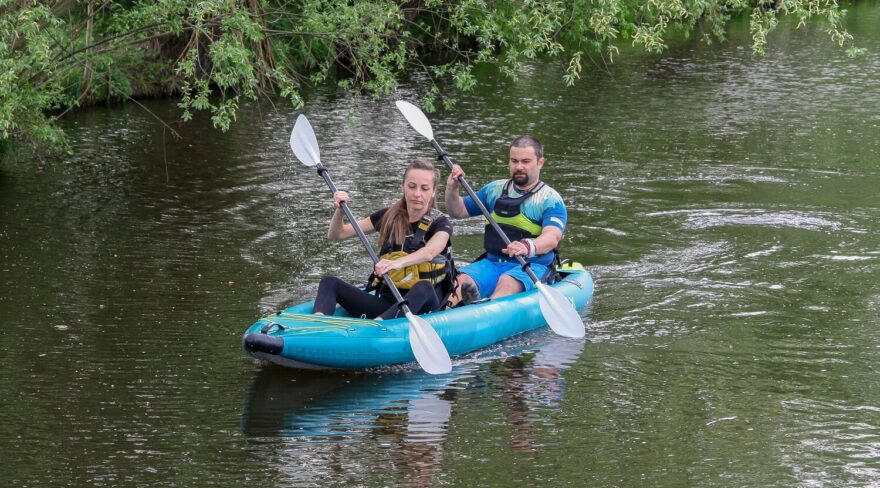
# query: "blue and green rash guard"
544,208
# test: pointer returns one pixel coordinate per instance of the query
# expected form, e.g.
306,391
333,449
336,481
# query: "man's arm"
454,202
544,243
553,224
548,240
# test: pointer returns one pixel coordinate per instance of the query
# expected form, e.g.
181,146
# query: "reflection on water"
331,418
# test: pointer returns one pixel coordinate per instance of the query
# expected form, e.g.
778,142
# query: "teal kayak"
297,338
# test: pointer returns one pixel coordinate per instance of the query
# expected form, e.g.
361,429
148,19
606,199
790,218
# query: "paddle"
423,339
557,310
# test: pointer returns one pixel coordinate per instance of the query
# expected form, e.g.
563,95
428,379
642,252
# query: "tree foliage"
213,54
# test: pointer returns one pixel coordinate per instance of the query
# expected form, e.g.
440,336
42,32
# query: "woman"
414,240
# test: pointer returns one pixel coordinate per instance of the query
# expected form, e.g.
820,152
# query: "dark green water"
726,205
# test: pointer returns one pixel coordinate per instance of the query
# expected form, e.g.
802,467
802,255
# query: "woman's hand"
386,265
339,197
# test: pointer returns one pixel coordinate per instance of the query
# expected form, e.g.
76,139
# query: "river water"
726,205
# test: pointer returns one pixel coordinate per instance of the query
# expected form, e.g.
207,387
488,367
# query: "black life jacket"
512,221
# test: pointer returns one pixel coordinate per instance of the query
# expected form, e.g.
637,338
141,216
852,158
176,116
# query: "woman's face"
418,189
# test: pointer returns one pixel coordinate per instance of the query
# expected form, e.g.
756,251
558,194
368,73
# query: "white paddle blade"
427,346
416,119
559,312
303,142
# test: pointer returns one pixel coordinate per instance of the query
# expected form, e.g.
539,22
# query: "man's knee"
507,285
463,278
455,296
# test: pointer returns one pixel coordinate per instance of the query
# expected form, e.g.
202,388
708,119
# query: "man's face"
525,167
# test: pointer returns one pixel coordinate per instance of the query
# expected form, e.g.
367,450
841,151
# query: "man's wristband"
530,244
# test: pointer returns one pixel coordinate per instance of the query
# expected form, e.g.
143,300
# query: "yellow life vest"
435,270
405,278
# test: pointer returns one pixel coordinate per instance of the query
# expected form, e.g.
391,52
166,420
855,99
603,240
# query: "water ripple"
716,217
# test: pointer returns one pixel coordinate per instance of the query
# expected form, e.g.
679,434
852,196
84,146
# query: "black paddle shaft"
388,281
445,157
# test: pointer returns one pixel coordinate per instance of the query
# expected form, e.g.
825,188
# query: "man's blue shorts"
486,272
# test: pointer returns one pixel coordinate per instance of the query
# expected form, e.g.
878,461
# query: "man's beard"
521,179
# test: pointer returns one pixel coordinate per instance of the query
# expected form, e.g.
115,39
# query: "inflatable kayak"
297,338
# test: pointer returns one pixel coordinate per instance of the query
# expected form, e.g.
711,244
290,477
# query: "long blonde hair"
395,225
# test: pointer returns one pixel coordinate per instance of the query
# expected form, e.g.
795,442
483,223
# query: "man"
530,213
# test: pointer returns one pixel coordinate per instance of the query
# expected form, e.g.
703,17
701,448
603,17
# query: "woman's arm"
338,229
433,247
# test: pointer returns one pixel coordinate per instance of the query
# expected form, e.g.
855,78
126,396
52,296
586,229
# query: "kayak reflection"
347,414
532,382
289,402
